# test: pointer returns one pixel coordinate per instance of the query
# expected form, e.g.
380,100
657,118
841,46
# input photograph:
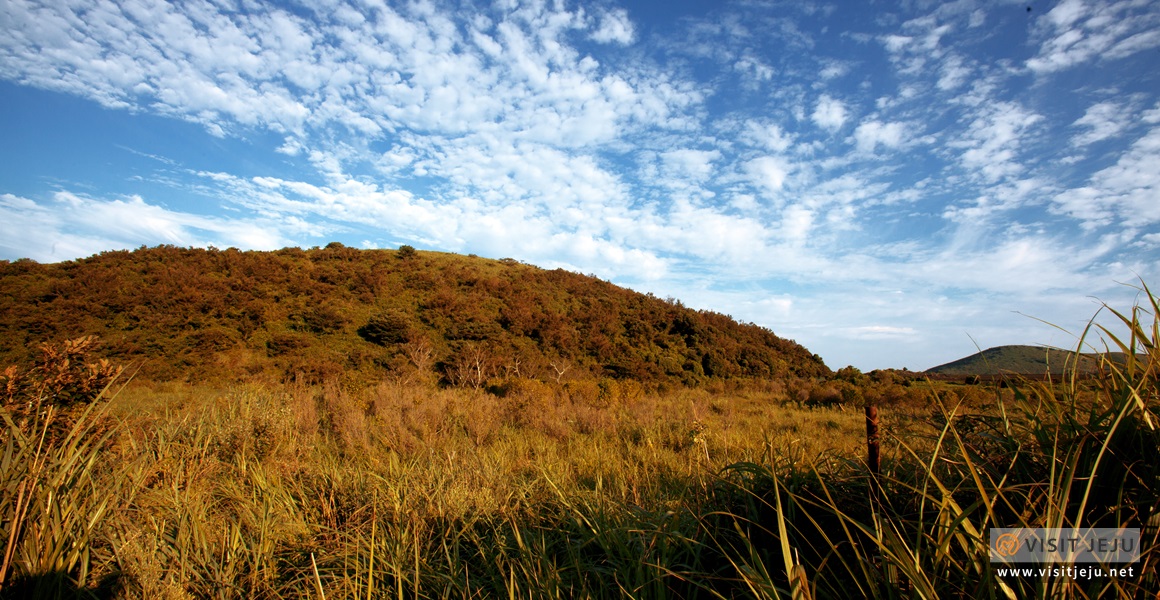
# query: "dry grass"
590,489
245,491
1045,455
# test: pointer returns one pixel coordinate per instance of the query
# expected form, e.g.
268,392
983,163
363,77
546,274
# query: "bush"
323,319
526,401
387,328
609,392
824,396
284,343
583,392
65,374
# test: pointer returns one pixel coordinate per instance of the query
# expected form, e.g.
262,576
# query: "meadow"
406,488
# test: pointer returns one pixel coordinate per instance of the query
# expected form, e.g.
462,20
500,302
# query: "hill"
1013,360
339,312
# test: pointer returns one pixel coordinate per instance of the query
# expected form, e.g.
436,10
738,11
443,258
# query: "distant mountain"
1014,360
340,312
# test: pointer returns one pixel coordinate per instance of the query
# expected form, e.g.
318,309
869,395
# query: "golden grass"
276,490
525,489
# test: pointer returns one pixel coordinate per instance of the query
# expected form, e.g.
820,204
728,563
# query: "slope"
1014,360
339,312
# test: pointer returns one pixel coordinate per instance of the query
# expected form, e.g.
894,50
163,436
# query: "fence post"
889,571
873,455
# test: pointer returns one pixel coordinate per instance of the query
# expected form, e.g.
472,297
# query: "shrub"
525,400
824,396
387,328
323,319
470,365
285,343
609,392
64,375
583,391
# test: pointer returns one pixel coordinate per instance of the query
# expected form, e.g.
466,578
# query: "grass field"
530,490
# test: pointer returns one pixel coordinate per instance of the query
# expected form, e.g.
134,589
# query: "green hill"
1013,360
340,312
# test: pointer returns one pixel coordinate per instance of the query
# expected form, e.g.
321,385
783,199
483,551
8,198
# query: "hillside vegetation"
1018,360
359,315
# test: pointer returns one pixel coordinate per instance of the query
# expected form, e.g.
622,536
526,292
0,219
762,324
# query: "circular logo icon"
1007,544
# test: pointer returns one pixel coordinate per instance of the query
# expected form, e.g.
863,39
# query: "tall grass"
53,499
1073,456
406,490
279,491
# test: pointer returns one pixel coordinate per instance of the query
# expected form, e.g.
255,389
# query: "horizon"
890,187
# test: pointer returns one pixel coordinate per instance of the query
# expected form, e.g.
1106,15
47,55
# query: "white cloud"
769,136
1076,32
896,43
1000,199
978,17
1103,120
884,332
871,134
388,70
615,27
829,113
796,223
732,157
992,143
955,72
920,41
72,226
769,173
844,192
834,69
754,70
1124,193
695,165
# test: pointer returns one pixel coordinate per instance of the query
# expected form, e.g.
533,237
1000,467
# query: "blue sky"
889,184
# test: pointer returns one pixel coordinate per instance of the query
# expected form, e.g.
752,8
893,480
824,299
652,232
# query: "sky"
892,185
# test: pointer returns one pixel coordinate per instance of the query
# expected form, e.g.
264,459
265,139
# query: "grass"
52,503
280,491
1057,456
407,490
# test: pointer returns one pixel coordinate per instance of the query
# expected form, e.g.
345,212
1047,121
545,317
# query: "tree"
561,367
421,355
405,251
471,366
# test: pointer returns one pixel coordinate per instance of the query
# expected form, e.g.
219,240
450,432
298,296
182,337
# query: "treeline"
343,313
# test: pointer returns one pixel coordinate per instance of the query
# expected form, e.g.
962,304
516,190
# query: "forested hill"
340,312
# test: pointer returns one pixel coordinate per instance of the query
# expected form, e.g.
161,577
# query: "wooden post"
874,464
873,456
